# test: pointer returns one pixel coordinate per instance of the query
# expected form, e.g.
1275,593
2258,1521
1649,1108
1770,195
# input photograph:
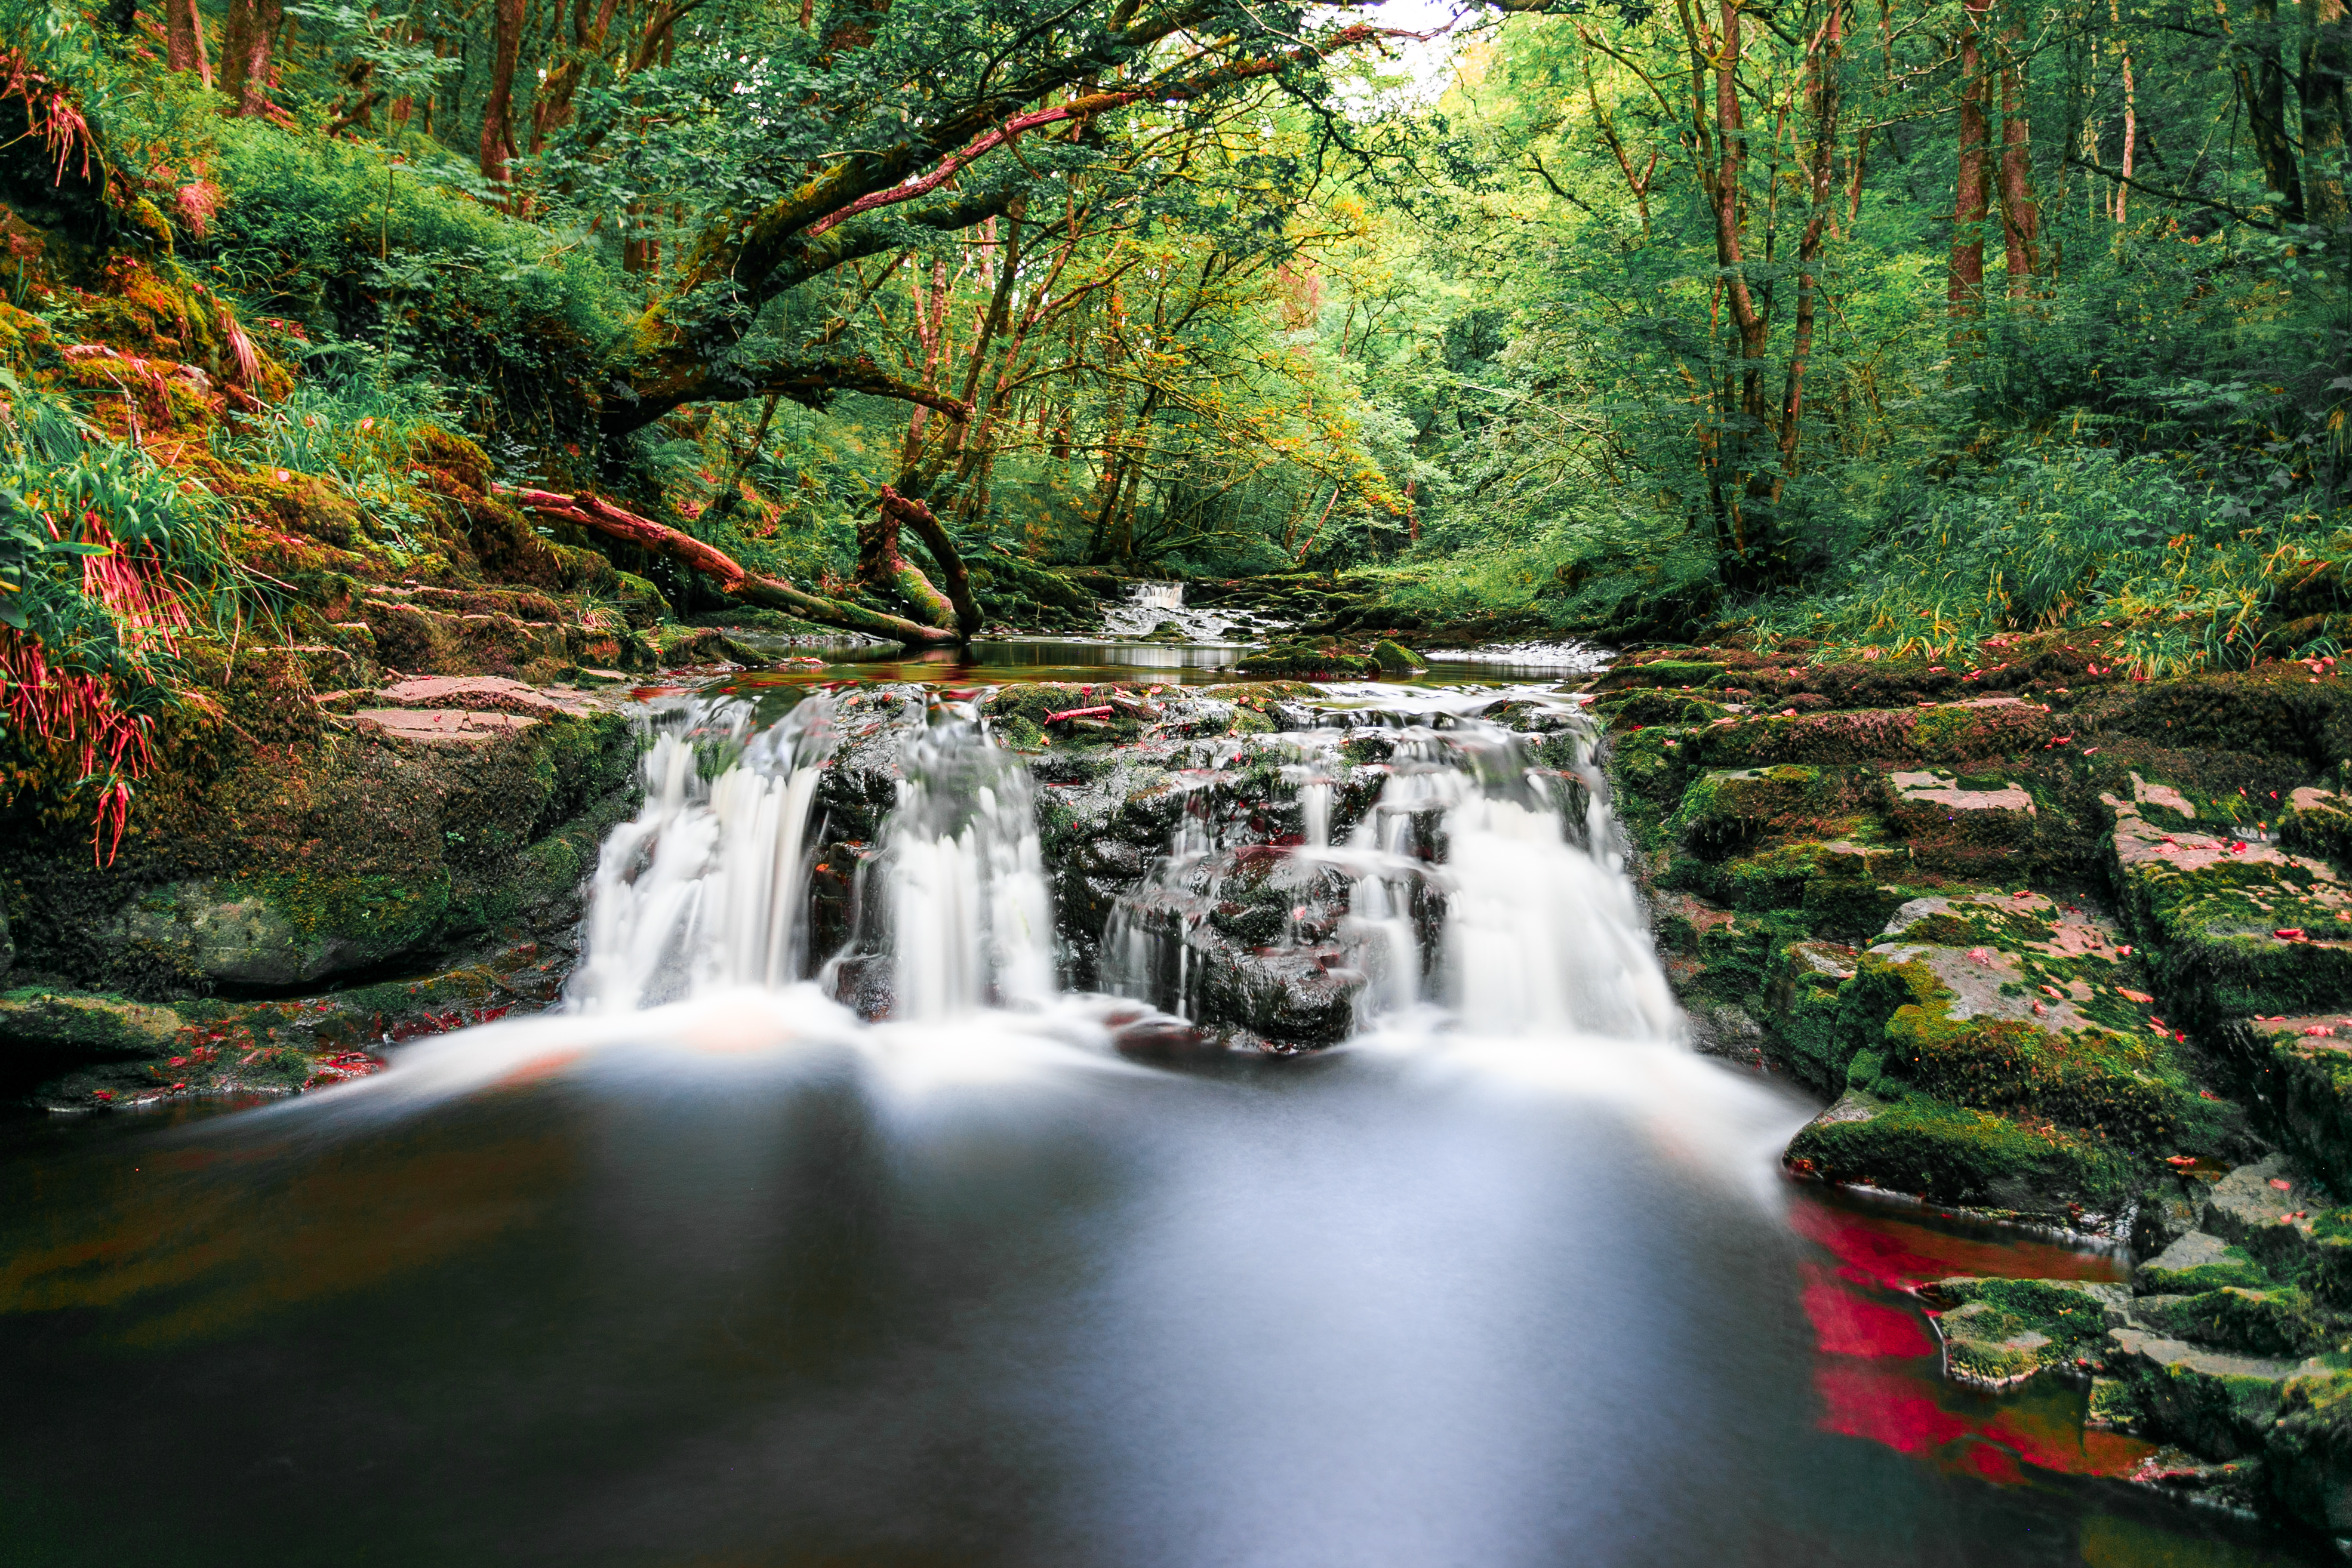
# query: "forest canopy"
1903,324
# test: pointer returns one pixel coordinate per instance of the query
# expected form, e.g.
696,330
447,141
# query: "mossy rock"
1999,1334
1955,1154
1722,809
1395,659
1300,660
1676,673
2213,907
2280,1321
39,1021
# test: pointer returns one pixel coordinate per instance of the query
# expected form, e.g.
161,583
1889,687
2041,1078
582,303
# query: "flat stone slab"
442,727
2179,1355
2250,1201
482,694
1943,789
1978,973
2194,1250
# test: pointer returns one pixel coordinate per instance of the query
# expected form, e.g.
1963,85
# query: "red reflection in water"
1848,1323
1880,1376
1882,1249
1915,1412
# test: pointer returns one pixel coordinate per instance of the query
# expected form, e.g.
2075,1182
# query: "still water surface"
826,1295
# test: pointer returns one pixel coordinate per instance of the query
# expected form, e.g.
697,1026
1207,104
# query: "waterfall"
705,888
1157,595
971,920
1476,891
1468,889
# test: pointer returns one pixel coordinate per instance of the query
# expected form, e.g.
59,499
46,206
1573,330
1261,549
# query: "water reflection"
755,1284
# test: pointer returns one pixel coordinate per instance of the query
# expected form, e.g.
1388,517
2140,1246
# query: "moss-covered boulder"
1992,1026
1305,661
2001,1334
2237,927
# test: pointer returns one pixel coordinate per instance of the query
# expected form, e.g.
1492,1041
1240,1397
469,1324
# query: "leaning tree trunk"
595,513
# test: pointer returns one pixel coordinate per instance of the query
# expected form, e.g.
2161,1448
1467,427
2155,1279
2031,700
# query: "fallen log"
600,515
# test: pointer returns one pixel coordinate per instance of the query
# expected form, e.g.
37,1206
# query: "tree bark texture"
245,46
184,40
1972,197
2326,93
497,111
2021,215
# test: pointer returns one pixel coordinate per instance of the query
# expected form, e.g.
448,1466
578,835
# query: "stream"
702,1269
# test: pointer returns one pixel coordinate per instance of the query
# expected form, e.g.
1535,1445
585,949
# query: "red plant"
49,112
80,717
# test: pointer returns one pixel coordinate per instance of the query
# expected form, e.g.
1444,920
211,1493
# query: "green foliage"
68,495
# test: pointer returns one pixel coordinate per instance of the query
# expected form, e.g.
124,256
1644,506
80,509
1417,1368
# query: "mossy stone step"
2240,926
1990,1027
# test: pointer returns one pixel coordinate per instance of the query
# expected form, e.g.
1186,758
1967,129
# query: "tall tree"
248,42
1972,195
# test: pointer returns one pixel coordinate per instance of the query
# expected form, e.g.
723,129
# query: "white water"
970,921
1474,911
1543,933
704,890
1149,605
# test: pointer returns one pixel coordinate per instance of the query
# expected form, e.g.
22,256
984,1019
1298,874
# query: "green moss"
1302,660
37,1020
1952,1154
2235,1267
1663,672
2003,1332
2237,1317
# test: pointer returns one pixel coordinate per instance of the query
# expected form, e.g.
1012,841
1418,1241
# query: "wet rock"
2196,1262
1395,658
303,857
2001,1334
2303,1064
41,1022
2219,1403
247,935
2250,927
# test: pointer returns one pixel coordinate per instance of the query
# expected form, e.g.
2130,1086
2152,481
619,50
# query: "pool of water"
1083,659
899,1296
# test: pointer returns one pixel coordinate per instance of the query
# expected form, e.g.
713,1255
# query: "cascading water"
1466,889
705,889
808,1287
970,917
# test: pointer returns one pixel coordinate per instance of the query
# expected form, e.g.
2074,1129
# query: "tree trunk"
185,30
2327,92
245,46
2262,86
2020,217
1821,171
884,570
595,513
498,112
934,535
1963,287
550,105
